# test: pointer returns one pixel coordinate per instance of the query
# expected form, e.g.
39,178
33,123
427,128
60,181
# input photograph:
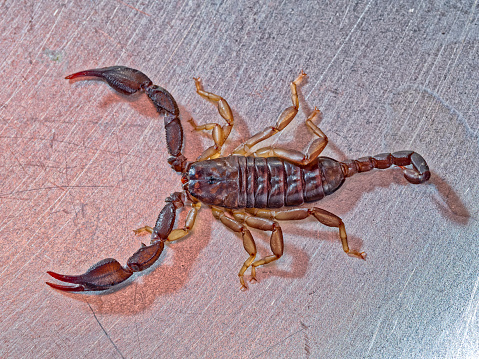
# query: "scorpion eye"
211,180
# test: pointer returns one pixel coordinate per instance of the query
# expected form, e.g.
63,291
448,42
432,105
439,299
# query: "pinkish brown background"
82,166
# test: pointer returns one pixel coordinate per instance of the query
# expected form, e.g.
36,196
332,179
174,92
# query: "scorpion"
246,189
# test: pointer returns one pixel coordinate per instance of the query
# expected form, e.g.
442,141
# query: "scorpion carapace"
246,189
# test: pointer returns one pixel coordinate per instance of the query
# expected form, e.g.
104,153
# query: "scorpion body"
236,182
247,189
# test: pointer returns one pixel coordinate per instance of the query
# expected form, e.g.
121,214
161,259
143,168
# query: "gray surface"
83,166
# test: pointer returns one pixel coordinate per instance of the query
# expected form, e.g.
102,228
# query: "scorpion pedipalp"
100,276
109,272
123,79
128,81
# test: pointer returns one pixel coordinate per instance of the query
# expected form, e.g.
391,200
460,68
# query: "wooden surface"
82,166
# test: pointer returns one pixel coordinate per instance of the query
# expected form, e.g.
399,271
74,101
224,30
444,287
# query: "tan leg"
219,133
276,240
298,157
179,232
283,120
327,218
248,241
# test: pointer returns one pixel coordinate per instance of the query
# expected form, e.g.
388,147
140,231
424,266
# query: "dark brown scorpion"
245,189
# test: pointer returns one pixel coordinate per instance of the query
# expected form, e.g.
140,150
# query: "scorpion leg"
219,133
299,157
327,218
248,241
109,272
283,120
276,239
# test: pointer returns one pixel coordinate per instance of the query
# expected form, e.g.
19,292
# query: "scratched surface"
82,166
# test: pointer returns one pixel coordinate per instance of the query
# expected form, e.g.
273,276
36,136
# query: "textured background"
81,166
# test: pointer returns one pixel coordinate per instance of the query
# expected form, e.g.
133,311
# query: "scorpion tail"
419,172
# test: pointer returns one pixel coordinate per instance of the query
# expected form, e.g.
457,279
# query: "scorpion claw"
109,272
128,81
123,79
100,276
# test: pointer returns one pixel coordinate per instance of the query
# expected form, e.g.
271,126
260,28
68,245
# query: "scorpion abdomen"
257,182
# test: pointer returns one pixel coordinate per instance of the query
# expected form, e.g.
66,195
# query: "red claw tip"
85,73
66,288
75,75
57,276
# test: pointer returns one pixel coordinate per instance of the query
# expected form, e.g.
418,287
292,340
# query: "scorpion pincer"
246,189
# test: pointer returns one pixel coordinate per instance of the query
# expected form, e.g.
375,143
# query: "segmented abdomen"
273,183
256,182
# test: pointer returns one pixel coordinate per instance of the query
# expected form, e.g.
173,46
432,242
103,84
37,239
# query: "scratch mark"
108,36
373,339
344,16
279,342
307,347
49,140
16,159
104,331
469,310
452,110
407,282
136,323
53,139
340,49
120,162
180,42
134,8
6,195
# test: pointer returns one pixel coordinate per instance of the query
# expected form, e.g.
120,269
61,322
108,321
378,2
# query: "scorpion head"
213,182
